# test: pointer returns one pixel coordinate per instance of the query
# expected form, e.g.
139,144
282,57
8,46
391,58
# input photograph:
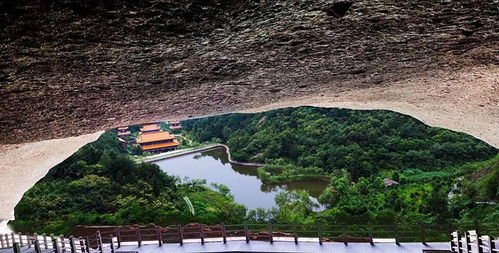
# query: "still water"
214,167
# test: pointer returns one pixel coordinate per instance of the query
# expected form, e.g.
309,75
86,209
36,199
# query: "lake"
214,167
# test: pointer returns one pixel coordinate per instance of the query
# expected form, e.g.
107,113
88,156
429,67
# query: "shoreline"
280,179
175,153
182,152
227,150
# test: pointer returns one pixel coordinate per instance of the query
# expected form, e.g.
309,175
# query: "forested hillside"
358,150
101,185
362,142
355,150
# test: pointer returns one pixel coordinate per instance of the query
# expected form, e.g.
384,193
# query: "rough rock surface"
69,67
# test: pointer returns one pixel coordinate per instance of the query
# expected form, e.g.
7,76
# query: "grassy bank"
282,172
283,179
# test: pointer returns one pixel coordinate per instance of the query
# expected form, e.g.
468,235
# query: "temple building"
175,125
153,139
150,128
123,131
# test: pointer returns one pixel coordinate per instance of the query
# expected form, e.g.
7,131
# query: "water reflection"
214,167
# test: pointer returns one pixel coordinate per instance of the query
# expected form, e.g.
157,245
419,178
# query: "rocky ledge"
69,67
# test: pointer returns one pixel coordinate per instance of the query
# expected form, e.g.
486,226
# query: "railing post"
158,234
82,244
45,243
201,233
246,233
72,244
21,243
224,233
16,247
395,227
1,241
13,238
477,226
423,234
479,243
99,241
63,244
492,244
295,234
87,244
459,243
319,234
35,235
37,246
370,228
118,237
344,230
271,234
111,244
7,239
28,241
55,245
180,235
139,237
452,243
466,242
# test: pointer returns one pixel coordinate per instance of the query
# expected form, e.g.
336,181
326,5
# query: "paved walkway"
175,153
181,152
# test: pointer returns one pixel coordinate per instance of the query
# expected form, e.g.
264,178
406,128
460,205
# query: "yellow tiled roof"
154,136
149,127
160,145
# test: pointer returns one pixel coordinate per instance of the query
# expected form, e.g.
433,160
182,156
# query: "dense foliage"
357,150
100,185
354,150
361,142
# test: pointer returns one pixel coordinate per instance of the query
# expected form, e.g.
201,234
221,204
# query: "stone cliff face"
69,67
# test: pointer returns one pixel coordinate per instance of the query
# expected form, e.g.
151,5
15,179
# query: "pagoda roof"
154,136
123,128
150,127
